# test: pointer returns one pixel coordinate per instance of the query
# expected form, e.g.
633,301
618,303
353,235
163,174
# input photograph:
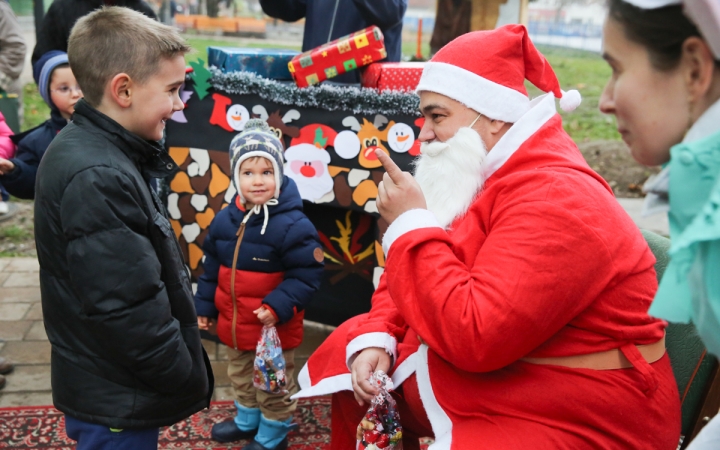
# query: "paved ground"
24,340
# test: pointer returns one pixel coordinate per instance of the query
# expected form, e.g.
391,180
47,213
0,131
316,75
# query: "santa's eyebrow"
427,109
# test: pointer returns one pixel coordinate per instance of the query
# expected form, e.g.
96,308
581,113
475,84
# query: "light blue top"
690,288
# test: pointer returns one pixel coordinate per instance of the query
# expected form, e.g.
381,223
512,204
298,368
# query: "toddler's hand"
265,316
6,166
204,323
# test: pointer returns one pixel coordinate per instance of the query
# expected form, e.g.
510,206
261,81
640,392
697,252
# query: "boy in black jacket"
117,301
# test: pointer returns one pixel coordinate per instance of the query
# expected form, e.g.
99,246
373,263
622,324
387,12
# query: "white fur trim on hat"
653,4
491,99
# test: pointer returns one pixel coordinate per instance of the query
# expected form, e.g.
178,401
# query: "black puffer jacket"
117,301
55,28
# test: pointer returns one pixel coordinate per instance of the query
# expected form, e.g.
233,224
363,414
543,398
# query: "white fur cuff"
368,340
408,221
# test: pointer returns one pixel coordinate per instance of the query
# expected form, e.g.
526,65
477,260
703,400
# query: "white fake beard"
449,174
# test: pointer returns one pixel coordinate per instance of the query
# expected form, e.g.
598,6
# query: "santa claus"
513,308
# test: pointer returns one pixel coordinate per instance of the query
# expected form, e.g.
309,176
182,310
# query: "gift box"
268,63
402,76
339,56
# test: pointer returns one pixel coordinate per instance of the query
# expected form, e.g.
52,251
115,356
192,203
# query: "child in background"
263,261
60,90
7,150
117,301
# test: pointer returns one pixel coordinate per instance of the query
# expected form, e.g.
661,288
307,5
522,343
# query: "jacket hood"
152,159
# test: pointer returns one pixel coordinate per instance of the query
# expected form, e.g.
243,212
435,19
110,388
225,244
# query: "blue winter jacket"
281,269
350,16
31,148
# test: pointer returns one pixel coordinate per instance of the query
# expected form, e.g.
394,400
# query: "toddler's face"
155,100
257,181
64,91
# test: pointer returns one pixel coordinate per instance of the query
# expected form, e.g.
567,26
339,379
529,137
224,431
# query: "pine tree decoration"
201,78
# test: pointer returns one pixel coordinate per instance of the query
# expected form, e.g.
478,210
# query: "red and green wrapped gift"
339,56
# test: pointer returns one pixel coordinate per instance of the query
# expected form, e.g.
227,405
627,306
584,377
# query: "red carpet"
43,427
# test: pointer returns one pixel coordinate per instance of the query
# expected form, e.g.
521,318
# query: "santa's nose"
307,171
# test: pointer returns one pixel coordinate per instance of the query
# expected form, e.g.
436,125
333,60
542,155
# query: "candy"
380,429
269,371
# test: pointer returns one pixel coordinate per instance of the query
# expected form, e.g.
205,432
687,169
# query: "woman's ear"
121,90
699,67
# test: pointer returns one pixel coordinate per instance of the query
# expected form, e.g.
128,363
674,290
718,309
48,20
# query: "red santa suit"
543,264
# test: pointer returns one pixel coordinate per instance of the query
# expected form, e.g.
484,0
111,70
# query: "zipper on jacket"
233,297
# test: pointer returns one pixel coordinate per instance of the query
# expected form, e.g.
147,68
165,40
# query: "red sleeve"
539,266
384,328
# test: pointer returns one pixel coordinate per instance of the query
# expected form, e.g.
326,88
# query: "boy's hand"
6,166
265,316
204,323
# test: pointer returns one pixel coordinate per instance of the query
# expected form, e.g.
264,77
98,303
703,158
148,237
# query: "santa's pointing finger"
398,192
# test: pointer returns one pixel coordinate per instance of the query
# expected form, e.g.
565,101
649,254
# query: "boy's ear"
121,90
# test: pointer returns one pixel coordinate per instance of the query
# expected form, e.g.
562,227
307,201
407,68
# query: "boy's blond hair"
113,40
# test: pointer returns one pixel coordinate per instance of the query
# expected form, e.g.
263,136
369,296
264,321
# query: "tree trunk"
213,7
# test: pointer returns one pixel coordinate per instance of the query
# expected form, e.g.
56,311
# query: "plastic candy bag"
380,428
269,372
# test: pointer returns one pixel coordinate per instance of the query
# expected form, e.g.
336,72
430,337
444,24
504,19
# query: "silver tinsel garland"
327,97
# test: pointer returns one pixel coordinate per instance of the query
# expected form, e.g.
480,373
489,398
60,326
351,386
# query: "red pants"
347,414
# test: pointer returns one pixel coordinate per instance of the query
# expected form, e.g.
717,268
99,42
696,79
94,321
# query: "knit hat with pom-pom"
486,71
256,139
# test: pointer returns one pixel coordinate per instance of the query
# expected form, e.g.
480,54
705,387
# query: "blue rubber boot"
272,435
243,426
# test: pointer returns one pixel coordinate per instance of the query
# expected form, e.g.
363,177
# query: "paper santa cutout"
307,165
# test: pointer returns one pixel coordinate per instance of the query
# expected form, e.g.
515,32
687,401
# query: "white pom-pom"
570,100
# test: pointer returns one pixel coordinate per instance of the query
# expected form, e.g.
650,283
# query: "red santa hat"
486,71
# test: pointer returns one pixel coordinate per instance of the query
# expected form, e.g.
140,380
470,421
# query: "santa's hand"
398,192
366,363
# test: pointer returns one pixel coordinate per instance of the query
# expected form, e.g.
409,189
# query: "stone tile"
222,352
19,295
37,332
4,262
13,311
23,265
211,349
223,394
14,330
35,312
28,378
311,341
25,399
3,277
27,352
23,279
220,369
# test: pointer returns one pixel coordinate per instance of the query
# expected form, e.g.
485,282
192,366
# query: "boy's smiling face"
155,100
257,181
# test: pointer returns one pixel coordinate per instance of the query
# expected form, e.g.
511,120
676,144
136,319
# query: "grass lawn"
584,71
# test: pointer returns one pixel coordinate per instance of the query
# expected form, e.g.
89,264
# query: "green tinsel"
327,97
